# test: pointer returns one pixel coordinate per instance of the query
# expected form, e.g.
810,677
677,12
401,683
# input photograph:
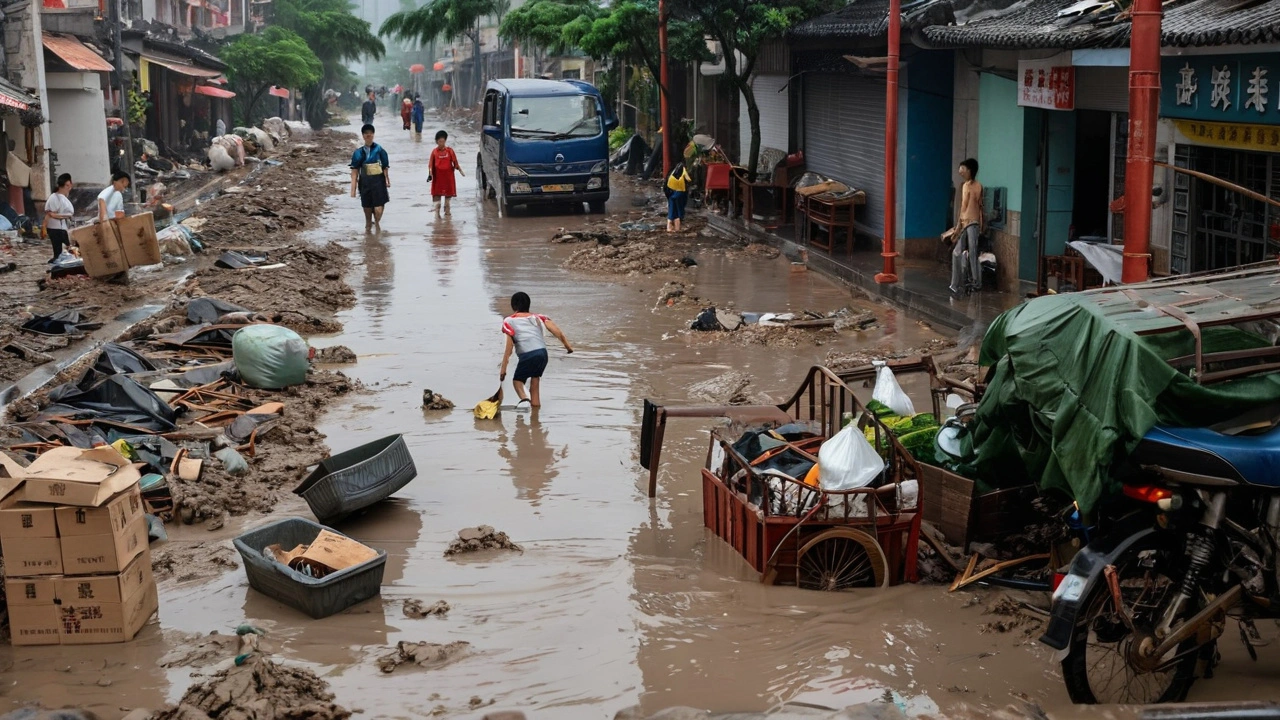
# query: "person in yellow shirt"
677,190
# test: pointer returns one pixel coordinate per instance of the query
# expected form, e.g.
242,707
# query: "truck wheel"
597,206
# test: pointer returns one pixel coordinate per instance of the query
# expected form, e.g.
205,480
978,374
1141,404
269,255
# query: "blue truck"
545,142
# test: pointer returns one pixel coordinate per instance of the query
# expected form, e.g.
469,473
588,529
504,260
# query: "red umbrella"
446,88
415,69
438,66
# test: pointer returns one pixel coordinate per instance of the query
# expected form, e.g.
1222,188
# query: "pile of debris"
781,330
259,689
479,538
422,654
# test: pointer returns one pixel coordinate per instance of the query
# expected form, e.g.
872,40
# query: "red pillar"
664,87
1144,99
891,147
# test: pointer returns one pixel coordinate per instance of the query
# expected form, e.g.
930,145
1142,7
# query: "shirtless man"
965,234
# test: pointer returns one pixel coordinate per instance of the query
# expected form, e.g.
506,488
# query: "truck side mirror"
493,131
610,124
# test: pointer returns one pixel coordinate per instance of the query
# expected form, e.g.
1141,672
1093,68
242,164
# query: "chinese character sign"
1046,84
1221,88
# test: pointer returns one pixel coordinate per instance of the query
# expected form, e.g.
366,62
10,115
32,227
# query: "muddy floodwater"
616,600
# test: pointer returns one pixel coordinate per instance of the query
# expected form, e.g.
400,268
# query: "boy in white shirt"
524,337
111,199
58,212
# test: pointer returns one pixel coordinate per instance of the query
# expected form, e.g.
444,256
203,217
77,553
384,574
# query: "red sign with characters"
1046,84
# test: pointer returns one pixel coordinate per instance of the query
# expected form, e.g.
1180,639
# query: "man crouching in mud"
370,176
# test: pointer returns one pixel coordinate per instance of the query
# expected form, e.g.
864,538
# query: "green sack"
270,357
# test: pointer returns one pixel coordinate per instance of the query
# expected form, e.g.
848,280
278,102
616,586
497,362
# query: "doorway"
1090,212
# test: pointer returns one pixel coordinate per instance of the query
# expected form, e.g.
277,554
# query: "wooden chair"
829,213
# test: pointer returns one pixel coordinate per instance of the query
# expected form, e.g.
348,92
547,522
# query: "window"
565,116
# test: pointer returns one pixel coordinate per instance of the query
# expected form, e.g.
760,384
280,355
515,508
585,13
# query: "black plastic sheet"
208,310
118,359
235,260
63,322
113,400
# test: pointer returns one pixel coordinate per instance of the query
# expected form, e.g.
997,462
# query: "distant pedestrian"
964,236
371,177
677,190
418,112
525,337
406,112
58,212
443,162
111,199
368,110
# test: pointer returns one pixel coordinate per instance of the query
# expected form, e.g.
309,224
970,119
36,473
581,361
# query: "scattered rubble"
415,609
185,563
727,389
841,361
422,654
1013,615
335,355
632,258
435,401
260,689
483,537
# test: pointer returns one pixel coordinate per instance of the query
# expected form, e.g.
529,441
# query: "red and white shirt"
525,330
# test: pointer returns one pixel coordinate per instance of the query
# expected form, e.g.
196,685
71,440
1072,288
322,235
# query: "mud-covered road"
616,600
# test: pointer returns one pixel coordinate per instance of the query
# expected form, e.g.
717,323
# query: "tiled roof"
869,19
1036,24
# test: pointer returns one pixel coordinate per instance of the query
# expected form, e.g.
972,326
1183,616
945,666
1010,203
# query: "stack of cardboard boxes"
73,534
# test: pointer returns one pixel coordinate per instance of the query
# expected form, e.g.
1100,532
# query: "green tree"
742,27
336,36
275,57
444,19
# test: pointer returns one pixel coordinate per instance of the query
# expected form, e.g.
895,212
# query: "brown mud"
260,689
422,654
417,609
479,538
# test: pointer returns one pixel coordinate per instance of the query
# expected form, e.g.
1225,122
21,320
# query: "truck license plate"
557,188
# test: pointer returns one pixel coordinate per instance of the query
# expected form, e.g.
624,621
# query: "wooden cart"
791,532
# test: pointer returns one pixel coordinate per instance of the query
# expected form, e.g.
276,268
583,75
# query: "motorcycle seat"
1254,458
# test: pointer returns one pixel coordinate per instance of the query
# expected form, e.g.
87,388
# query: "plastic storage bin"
357,478
317,597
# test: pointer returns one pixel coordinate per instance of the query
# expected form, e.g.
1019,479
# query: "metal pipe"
890,275
665,88
1144,98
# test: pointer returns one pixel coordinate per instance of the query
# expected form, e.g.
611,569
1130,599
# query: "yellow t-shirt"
678,183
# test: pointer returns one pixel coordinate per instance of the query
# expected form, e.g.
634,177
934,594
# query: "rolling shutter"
775,118
844,137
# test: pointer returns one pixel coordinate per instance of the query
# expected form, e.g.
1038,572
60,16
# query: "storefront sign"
1228,88
1237,136
1046,84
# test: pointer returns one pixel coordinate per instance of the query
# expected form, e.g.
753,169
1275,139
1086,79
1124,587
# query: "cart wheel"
841,559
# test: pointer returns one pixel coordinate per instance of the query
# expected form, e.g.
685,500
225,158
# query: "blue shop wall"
927,197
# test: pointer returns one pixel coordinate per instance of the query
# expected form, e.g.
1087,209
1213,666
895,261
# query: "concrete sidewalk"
921,288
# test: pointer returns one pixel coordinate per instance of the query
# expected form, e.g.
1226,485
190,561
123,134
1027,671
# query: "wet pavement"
616,599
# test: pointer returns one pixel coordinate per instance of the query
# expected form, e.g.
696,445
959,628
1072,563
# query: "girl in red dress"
443,162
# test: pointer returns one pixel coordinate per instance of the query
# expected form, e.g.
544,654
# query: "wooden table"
829,213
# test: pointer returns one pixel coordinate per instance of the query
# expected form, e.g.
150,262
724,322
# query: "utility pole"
1144,96
122,87
890,275
663,78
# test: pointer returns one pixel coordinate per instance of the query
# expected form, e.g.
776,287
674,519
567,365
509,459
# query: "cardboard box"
22,521
338,552
113,517
33,556
137,235
100,249
92,622
34,625
108,553
110,589
31,591
71,476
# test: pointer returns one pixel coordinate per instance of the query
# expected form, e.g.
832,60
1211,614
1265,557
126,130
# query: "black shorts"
531,365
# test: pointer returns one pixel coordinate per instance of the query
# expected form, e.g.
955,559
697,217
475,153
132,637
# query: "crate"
317,597
951,505
355,479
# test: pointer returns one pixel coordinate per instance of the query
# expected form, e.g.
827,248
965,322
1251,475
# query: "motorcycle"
1137,617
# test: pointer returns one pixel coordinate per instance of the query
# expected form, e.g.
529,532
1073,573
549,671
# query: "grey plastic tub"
317,597
357,478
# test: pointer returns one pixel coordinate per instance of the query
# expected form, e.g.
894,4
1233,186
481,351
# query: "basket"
317,597
963,516
355,479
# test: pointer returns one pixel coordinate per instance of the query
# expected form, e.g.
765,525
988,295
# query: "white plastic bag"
889,392
847,461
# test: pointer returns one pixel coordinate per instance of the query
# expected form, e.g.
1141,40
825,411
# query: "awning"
214,92
15,97
218,81
182,68
279,92
75,53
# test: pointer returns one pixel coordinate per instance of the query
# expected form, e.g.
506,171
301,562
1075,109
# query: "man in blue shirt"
370,177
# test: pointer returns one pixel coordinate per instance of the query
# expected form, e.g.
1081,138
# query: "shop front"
1225,115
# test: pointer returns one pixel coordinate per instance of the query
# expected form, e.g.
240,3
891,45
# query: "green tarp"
1073,392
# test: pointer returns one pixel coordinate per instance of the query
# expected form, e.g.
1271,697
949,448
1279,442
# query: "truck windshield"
555,118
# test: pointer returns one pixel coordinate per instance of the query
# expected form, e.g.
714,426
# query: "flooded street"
616,600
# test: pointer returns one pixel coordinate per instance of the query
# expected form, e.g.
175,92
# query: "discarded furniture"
357,478
718,180
773,177
317,597
789,531
832,213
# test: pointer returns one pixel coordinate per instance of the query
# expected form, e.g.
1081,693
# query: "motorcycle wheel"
1098,668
